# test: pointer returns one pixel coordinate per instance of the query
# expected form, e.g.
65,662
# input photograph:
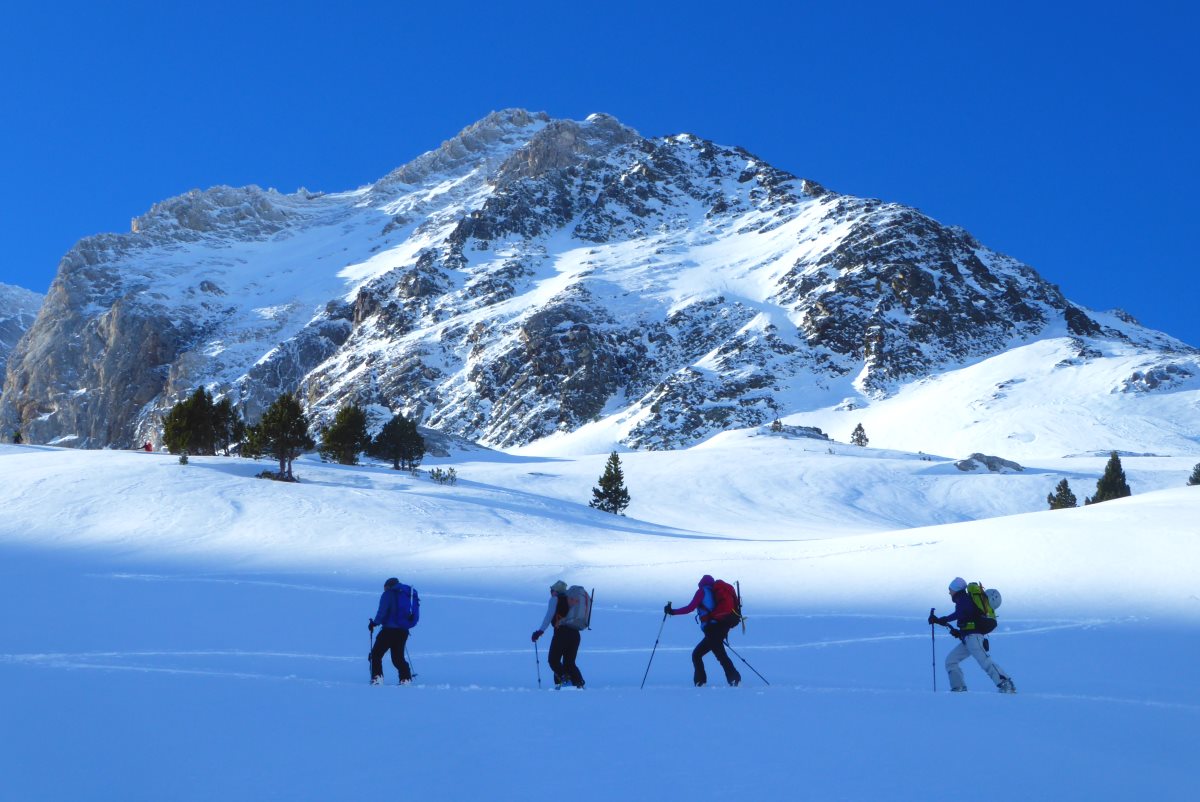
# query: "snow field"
191,632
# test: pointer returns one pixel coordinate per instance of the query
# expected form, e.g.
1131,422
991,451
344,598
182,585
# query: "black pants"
715,633
395,639
564,647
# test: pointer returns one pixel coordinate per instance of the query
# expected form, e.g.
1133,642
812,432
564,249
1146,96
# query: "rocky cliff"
529,277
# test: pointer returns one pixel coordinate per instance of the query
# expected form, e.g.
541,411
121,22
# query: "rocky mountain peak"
489,139
565,143
249,209
531,277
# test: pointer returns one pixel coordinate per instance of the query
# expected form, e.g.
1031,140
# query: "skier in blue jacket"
972,642
399,611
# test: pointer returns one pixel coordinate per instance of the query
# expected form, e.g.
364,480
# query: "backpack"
579,609
408,604
725,598
985,621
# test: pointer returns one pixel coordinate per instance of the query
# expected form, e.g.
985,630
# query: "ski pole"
537,661
370,650
933,653
752,668
655,649
408,657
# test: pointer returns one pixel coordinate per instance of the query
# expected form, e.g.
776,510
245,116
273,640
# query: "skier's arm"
691,605
550,610
381,616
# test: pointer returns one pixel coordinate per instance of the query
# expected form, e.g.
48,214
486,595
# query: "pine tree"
1062,498
400,442
859,436
611,495
1112,484
1194,479
198,426
228,426
283,433
342,440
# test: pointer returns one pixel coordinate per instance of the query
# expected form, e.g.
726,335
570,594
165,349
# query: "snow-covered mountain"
536,278
18,309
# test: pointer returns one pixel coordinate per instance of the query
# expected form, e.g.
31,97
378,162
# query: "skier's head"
391,583
559,587
705,581
957,585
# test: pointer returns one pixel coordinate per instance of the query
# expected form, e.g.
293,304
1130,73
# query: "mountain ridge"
530,277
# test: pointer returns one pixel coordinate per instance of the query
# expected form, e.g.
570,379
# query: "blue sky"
1062,134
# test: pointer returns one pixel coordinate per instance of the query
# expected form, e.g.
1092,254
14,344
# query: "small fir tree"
1112,484
1062,497
1194,479
859,436
18,440
342,440
611,495
283,433
400,442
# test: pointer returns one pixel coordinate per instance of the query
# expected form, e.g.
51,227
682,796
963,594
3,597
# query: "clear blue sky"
1063,134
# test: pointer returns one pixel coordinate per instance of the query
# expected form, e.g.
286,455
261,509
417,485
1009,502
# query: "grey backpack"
579,608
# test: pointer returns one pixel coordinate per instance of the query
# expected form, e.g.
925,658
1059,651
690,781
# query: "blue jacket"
965,612
399,608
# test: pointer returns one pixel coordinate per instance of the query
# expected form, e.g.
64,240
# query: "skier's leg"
399,641
956,656
717,633
699,677
571,638
974,645
555,657
377,651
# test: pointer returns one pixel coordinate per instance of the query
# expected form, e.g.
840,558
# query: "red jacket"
711,608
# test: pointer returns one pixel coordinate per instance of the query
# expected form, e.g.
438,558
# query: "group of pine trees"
1110,485
198,425
347,437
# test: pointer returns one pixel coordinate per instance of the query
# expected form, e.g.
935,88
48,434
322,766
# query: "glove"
933,619
537,634
956,633
667,610
370,626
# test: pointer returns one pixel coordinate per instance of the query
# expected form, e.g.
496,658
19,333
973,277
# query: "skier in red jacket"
716,606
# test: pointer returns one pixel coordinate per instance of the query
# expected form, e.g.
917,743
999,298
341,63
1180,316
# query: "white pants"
971,645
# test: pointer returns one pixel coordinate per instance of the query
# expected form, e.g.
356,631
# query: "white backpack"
579,609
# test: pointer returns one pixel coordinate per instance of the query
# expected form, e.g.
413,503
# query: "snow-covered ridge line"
556,281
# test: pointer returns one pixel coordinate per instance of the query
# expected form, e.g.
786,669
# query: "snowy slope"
196,633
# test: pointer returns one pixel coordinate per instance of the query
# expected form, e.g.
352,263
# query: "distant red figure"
148,447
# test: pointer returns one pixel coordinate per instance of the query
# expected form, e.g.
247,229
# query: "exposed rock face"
528,277
991,464
18,309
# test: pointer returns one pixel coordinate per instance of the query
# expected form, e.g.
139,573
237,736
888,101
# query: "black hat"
391,583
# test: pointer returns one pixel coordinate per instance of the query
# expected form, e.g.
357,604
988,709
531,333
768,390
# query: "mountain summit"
533,277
